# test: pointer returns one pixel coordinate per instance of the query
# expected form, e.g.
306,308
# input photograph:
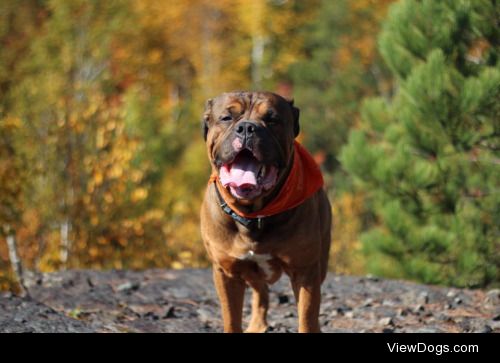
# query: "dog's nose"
245,129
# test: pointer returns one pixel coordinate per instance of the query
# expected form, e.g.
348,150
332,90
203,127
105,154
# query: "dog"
265,211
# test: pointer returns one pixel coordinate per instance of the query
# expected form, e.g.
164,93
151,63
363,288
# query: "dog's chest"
263,261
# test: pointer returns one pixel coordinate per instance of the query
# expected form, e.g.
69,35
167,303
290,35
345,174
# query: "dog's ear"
296,114
206,116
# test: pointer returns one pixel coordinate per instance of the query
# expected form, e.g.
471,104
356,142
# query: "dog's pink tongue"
241,173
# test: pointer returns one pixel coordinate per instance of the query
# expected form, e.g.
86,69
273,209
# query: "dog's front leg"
306,285
231,292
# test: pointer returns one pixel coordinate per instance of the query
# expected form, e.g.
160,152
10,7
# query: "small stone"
169,313
388,330
151,315
386,321
451,294
128,286
418,309
367,303
349,314
372,278
427,330
493,297
496,318
204,315
19,319
388,303
414,297
402,312
327,305
484,329
423,298
495,325
465,325
329,296
343,309
457,300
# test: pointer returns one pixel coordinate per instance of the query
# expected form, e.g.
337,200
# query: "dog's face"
249,139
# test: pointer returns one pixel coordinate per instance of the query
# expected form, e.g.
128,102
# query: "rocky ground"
185,301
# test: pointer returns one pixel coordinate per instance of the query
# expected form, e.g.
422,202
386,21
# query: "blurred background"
102,160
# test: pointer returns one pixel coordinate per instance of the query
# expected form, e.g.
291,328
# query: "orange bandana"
304,180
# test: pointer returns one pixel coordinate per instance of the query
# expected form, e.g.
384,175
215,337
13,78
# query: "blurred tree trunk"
15,261
258,44
64,229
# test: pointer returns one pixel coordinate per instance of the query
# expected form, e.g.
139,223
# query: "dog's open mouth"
246,177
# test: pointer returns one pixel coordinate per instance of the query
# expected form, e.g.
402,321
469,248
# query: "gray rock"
349,314
386,321
451,294
205,315
368,302
423,298
415,297
427,330
493,297
387,302
484,329
419,309
128,286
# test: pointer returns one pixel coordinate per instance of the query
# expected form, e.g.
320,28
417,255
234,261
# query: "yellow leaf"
139,194
108,198
98,177
176,265
185,255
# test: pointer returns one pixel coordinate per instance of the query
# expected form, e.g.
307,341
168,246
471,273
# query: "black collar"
250,223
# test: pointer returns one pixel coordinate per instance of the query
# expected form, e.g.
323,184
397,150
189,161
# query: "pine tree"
340,67
430,155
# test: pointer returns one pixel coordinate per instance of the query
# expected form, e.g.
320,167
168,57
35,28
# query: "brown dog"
265,210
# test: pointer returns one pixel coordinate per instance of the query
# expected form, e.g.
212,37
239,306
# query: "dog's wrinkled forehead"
249,104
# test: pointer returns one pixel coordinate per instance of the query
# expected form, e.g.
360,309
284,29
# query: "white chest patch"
262,260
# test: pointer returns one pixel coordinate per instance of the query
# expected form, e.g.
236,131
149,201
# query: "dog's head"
249,138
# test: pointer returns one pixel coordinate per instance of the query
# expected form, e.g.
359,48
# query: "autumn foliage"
102,163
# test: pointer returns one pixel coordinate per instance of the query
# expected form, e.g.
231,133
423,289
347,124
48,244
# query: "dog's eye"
273,120
271,117
226,118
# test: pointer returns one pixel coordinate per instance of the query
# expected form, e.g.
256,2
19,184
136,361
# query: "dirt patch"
185,301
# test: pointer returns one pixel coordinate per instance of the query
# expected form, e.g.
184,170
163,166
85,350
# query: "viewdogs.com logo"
437,349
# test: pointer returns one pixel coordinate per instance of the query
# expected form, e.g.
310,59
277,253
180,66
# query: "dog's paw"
257,328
